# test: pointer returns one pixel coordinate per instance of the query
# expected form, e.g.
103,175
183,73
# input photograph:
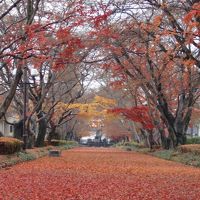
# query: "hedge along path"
100,173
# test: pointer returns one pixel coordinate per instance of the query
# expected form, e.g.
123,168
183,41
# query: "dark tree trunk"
69,135
42,127
31,136
18,130
151,140
176,123
179,128
164,140
8,99
18,133
52,134
176,127
145,138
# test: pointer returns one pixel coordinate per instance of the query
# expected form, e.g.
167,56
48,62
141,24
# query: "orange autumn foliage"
97,108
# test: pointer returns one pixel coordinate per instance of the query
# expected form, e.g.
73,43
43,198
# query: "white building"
194,130
7,129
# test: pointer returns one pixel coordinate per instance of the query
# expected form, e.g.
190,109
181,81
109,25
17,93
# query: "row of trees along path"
150,48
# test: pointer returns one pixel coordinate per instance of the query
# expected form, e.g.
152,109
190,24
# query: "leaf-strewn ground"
100,173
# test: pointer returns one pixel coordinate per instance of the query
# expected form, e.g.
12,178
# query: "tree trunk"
31,134
18,130
42,127
176,126
51,134
151,139
145,137
7,101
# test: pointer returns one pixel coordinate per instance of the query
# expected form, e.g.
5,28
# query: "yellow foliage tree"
96,109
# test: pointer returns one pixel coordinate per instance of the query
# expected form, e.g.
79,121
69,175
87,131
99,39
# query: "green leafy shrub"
26,156
71,142
10,145
130,146
134,144
165,154
57,142
194,140
49,148
63,143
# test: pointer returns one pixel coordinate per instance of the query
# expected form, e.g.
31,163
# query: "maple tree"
34,37
10,35
150,47
141,115
138,114
157,53
45,40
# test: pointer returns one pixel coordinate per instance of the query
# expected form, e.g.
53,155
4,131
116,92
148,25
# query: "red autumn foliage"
103,174
148,51
137,114
99,19
193,13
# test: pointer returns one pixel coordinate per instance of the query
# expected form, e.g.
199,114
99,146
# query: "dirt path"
100,173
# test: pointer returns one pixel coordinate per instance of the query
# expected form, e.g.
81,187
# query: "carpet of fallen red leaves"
100,173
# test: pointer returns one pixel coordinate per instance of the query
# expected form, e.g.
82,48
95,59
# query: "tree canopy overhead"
149,48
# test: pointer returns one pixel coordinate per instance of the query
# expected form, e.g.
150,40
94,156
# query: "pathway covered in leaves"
100,173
